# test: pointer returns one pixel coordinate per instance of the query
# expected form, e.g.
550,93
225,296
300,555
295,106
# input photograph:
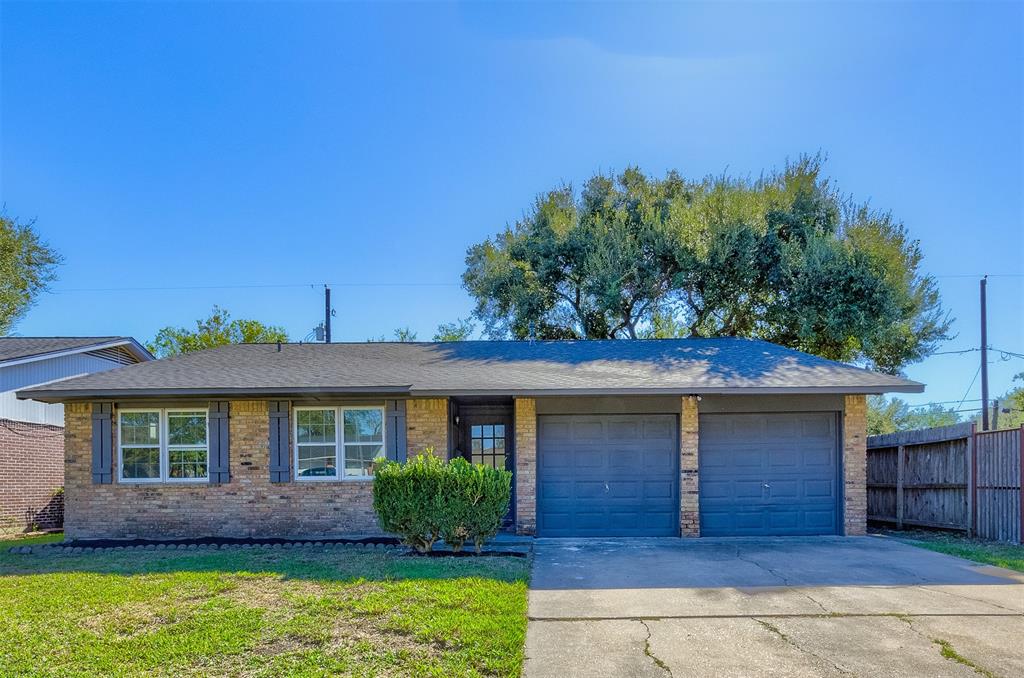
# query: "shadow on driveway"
750,562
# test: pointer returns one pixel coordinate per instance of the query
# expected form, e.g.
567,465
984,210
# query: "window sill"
353,479
160,481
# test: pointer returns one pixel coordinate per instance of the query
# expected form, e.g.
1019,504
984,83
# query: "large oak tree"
784,257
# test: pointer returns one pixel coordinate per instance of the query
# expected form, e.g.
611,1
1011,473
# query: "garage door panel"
659,489
625,459
624,489
660,429
584,458
826,520
794,454
623,478
584,489
624,430
555,489
588,430
554,431
660,461
823,489
557,459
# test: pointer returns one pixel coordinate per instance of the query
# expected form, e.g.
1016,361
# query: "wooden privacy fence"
951,477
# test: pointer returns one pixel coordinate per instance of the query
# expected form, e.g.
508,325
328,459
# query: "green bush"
427,499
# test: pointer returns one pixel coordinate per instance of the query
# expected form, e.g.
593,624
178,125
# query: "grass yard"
1009,556
260,612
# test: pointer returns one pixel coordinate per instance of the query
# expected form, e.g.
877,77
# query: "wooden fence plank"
952,477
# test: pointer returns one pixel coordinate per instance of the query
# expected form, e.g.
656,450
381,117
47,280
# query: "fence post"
972,486
1020,490
900,471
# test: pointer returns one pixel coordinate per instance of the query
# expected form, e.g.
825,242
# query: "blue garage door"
607,475
769,474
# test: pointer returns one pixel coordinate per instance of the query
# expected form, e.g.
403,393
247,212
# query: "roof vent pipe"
278,346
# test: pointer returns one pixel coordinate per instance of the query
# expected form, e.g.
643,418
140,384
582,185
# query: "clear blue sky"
175,145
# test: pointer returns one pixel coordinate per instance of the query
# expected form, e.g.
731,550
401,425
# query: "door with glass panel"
487,440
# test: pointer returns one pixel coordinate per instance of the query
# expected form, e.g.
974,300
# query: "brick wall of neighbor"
855,465
689,499
31,476
250,505
526,465
427,425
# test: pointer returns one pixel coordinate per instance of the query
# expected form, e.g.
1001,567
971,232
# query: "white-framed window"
162,445
337,443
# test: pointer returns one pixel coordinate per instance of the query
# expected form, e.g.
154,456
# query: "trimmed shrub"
426,499
476,503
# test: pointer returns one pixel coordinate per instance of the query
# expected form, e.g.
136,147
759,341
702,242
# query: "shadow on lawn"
347,564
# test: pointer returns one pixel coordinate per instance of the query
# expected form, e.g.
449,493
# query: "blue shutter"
394,428
219,442
280,459
102,444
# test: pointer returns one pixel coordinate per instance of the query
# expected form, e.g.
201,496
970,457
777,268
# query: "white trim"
135,347
162,445
339,442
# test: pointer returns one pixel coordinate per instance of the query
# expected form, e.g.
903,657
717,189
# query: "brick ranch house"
683,437
32,433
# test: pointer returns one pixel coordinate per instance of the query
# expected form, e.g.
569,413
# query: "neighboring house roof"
16,350
614,367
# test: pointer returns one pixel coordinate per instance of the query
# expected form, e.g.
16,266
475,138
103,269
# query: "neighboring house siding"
20,376
248,505
31,476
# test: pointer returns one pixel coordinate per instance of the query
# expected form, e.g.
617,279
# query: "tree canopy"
27,267
217,330
784,257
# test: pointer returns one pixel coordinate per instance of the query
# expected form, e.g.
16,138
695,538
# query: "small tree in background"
27,267
889,416
217,330
460,330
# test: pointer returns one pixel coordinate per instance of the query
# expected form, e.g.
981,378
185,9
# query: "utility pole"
327,315
984,358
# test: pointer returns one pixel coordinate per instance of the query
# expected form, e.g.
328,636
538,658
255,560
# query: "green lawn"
260,612
1009,556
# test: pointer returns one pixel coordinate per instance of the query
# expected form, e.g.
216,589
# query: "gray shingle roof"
12,348
667,366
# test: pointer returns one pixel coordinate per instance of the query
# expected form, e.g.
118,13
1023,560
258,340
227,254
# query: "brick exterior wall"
526,465
427,426
250,505
689,498
31,476
855,465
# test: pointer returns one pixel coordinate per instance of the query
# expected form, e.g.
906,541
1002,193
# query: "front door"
487,440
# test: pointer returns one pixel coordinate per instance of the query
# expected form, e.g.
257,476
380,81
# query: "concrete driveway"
823,606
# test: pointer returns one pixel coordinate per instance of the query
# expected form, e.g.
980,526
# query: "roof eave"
129,343
63,395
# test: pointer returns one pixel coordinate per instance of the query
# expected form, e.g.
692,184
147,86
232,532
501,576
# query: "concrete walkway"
826,606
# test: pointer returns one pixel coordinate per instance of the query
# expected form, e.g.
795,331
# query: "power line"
249,287
980,275
969,387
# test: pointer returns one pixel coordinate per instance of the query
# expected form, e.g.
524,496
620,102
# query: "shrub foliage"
427,499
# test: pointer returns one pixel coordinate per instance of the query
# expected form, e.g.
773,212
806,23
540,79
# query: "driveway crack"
946,649
781,577
647,649
973,600
772,628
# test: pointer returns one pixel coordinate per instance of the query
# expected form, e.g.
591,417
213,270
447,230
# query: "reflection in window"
487,445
